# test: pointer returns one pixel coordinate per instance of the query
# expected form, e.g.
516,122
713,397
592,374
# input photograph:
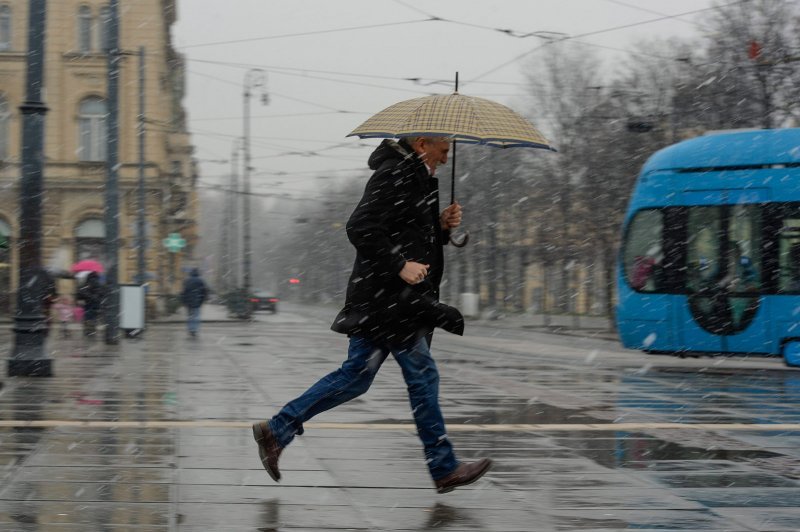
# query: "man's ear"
418,145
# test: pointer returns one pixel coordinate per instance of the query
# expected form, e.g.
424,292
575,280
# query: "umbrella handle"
460,240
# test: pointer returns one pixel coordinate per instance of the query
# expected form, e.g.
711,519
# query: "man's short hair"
412,140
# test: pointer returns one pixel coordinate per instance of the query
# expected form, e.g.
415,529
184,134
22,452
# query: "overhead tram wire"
304,34
654,12
287,115
286,150
506,31
509,32
273,93
598,32
275,195
279,69
302,72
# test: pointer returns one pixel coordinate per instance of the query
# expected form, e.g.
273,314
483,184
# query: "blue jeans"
364,359
193,323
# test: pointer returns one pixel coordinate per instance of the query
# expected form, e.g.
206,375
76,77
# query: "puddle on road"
640,519
724,480
640,451
533,413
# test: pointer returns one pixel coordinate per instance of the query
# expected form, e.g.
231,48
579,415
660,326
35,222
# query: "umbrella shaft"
453,176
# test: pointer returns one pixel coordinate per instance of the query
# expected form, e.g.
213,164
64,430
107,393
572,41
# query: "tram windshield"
643,255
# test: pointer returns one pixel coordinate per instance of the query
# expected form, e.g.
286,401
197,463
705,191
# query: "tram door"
723,275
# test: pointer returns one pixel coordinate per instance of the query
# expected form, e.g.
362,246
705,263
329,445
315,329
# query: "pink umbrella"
87,265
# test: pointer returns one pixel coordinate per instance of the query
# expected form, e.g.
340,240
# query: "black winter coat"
194,292
397,220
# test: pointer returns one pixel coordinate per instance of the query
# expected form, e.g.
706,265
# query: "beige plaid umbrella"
465,118
461,118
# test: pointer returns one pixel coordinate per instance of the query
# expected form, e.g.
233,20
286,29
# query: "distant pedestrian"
91,294
195,293
392,306
65,311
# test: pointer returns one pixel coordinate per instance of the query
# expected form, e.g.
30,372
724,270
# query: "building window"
104,26
5,27
90,240
92,129
84,29
5,119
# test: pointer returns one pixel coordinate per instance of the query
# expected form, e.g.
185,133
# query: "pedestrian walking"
195,293
391,306
92,295
66,312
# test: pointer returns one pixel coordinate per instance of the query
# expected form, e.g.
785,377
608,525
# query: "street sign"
174,243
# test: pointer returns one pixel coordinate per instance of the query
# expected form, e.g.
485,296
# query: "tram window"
743,249
789,252
724,248
642,253
703,246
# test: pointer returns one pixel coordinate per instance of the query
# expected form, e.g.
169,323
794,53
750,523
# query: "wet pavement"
155,435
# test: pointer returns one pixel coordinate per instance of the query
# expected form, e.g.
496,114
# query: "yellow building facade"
75,82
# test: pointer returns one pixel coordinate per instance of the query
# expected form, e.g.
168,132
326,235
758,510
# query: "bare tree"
750,72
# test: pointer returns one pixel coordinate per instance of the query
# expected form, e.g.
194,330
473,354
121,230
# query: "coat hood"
387,150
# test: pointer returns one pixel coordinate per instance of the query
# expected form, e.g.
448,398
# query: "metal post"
28,357
253,78
236,264
246,251
223,263
112,188
141,269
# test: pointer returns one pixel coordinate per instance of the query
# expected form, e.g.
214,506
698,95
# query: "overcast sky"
328,65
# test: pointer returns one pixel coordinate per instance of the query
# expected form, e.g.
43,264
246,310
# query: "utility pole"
28,357
141,265
236,264
223,264
253,78
112,186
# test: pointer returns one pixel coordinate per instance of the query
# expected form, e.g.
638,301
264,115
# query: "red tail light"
273,300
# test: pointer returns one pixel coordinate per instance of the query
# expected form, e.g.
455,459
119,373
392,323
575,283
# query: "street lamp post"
141,221
28,357
112,306
255,77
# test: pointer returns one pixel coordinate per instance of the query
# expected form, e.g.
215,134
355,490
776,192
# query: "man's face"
433,152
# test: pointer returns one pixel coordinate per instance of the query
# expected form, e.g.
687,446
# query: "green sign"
174,243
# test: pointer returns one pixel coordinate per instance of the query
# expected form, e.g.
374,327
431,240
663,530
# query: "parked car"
264,301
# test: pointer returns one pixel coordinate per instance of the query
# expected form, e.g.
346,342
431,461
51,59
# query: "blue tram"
710,260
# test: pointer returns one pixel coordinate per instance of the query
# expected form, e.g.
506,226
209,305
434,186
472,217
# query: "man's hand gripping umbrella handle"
451,219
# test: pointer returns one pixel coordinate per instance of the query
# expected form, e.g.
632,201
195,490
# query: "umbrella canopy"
464,118
87,265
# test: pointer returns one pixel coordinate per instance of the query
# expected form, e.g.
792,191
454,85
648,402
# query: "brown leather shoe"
268,449
465,473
